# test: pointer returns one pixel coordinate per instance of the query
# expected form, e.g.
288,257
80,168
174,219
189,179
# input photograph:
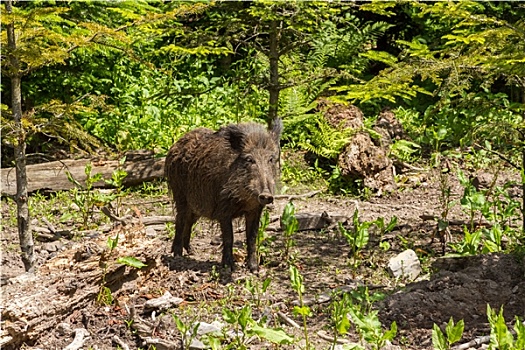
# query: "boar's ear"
235,135
276,128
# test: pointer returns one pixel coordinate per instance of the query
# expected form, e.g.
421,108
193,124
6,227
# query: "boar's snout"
265,198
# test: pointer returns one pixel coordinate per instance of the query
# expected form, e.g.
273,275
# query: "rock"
196,344
53,246
150,232
362,159
205,328
405,265
389,346
389,128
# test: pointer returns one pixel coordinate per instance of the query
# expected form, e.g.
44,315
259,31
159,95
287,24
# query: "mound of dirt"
461,289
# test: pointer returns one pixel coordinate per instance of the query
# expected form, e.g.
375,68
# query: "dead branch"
297,196
473,343
120,343
288,320
81,335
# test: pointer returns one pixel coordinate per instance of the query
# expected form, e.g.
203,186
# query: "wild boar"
223,175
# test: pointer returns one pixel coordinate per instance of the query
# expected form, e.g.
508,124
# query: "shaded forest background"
115,76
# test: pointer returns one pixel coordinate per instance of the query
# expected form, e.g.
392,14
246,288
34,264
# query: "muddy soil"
448,287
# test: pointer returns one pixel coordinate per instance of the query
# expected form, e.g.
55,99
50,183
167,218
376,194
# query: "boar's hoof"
189,250
254,268
176,250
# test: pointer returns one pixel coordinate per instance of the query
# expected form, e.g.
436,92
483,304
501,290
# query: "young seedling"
83,196
357,238
453,333
257,291
500,335
291,226
245,327
303,310
262,236
339,316
117,180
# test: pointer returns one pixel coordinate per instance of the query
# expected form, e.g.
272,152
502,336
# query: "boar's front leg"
252,228
227,243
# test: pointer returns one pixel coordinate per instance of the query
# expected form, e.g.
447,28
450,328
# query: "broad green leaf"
276,336
131,261
343,325
302,310
454,332
438,338
244,316
229,316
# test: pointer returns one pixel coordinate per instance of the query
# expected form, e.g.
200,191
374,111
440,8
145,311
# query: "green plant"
188,330
497,208
357,238
383,229
357,308
370,329
257,291
117,179
453,332
263,239
339,316
470,243
302,310
291,225
500,336
245,327
170,230
405,151
105,296
83,196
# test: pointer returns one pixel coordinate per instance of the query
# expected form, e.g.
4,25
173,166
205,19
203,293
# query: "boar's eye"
249,159
271,160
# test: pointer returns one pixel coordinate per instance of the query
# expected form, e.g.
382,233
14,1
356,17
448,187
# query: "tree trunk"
273,87
24,232
52,175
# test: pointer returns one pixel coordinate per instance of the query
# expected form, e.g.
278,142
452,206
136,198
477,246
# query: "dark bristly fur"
221,176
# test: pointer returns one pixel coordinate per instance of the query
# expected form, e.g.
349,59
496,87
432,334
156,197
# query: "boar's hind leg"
183,223
227,243
252,228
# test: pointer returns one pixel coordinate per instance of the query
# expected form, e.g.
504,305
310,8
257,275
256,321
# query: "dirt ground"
448,287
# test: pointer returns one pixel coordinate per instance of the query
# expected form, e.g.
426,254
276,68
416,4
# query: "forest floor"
447,287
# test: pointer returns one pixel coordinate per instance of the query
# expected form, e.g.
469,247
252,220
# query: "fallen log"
33,304
52,175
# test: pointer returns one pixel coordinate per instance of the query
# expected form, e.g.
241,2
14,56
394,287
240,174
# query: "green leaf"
244,316
296,279
519,328
266,284
380,56
276,336
454,332
302,310
229,316
391,333
343,325
500,336
438,338
112,242
131,261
